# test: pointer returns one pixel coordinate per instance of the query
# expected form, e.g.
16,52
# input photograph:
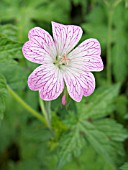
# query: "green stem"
45,113
27,107
48,109
109,71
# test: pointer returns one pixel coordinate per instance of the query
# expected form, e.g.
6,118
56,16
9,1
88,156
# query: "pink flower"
61,64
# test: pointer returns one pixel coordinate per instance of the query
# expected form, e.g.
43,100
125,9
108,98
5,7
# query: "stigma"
64,60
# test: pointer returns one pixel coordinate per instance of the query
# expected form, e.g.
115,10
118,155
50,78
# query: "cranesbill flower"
61,64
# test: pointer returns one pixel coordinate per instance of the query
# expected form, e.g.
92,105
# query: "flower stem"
44,111
109,71
48,109
27,107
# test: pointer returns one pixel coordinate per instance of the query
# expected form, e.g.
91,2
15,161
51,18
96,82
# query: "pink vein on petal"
66,37
87,55
79,83
40,46
48,80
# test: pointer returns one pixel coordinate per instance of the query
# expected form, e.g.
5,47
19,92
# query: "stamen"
64,60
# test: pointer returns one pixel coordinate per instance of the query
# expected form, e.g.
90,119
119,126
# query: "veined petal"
79,83
40,46
87,55
66,37
48,79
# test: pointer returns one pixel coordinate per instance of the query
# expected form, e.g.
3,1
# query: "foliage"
88,135
124,167
3,93
96,23
9,47
91,127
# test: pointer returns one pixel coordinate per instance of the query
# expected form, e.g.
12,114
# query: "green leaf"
24,13
112,129
3,93
124,167
70,146
96,24
104,135
98,141
88,160
9,49
9,31
121,106
100,103
15,74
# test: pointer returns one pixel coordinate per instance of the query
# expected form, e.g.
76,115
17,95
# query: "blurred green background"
90,135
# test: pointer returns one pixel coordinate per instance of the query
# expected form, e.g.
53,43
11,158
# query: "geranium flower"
61,64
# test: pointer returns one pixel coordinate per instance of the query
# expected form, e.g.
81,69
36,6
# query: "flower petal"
48,80
40,46
87,55
79,83
66,37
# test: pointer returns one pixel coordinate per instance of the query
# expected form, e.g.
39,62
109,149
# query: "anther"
64,60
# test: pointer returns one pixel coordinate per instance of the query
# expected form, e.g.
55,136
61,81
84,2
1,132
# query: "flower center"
61,60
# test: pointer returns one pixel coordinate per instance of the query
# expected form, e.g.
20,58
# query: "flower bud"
63,100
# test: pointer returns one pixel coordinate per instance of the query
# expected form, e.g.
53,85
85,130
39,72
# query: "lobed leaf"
15,75
100,104
104,135
70,146
9,49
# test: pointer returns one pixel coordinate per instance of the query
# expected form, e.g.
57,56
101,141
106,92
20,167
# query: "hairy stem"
48,109
44,111
27,107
